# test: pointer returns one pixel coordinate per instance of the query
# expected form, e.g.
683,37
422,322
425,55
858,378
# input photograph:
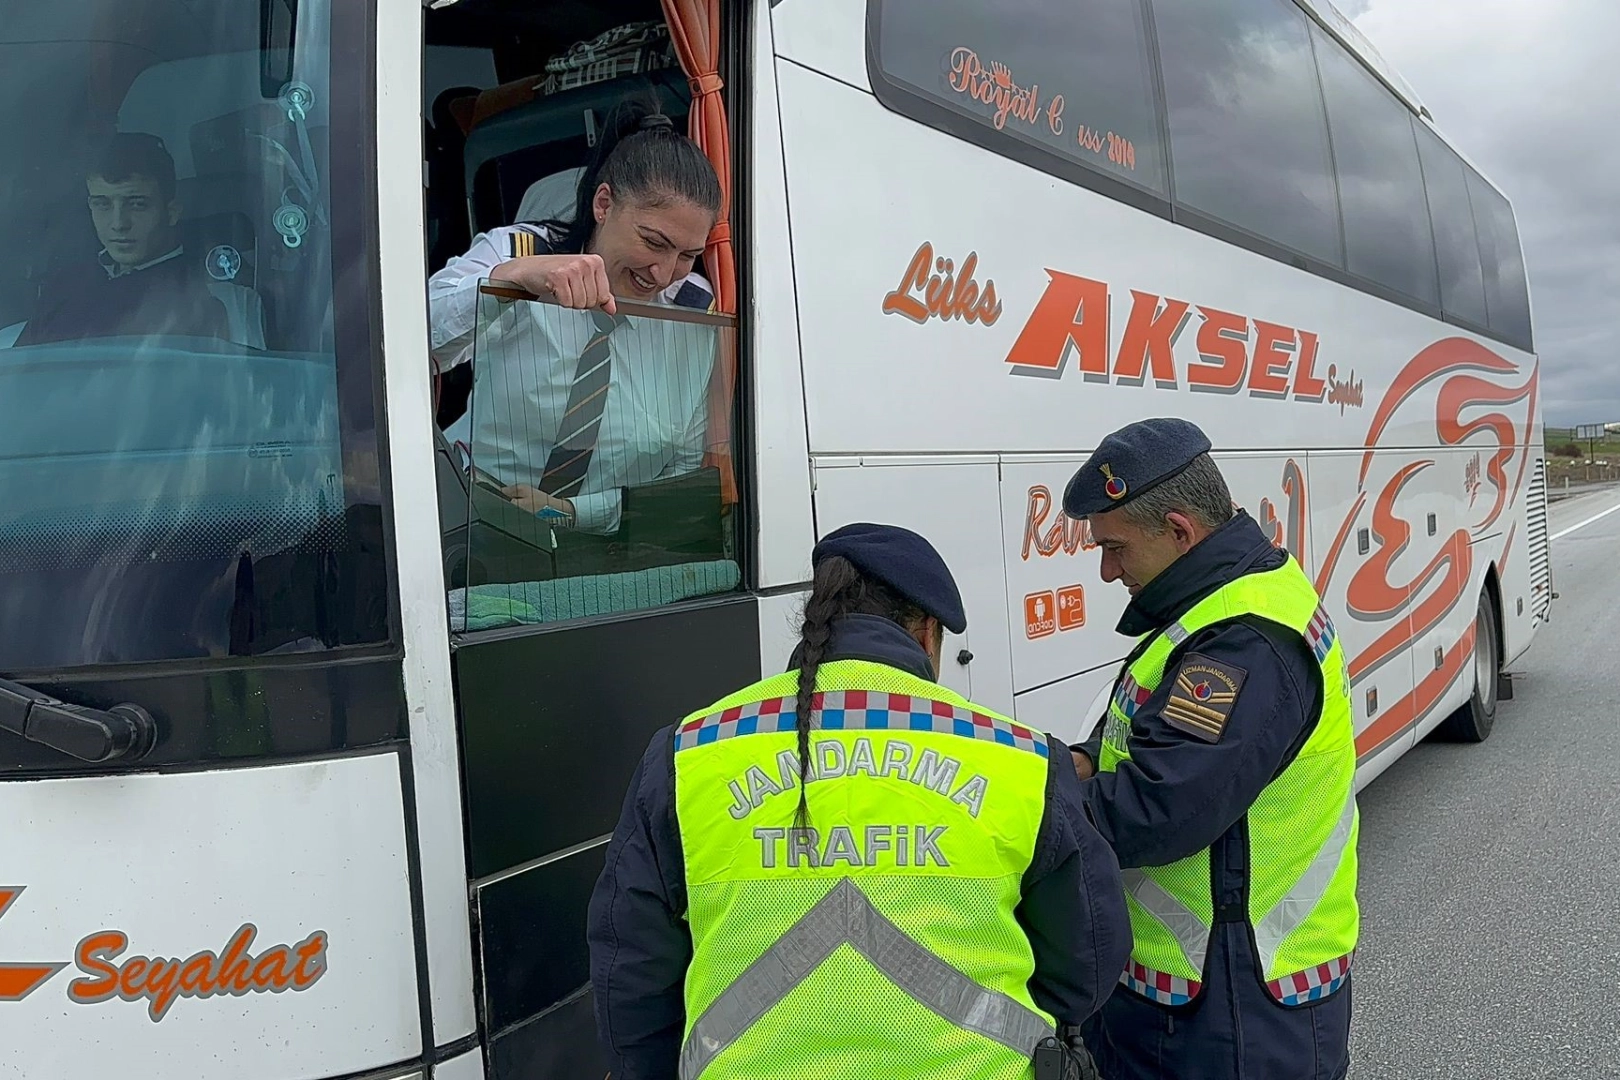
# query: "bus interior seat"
473,108
50,226
226,249
507,152
248,162
66,234
222,240
56,232
551,196
255,156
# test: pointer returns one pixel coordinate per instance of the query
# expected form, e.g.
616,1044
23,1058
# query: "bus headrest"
551,196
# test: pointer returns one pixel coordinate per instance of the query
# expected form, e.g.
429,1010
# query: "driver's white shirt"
654,420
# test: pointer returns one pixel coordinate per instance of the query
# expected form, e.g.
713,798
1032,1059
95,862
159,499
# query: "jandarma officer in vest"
932,903
1222,775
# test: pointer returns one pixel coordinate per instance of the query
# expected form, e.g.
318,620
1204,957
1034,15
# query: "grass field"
1596,461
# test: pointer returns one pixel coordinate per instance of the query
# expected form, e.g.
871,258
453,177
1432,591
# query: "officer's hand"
574,281
534,500
1083,768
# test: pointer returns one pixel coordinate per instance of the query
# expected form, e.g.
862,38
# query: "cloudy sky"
1530,91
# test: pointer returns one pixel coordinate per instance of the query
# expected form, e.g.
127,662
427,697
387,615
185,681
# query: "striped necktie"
582,422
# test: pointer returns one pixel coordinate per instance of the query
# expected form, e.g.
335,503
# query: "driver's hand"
534,500
574,281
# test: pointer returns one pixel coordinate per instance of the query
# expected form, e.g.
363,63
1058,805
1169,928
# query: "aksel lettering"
897,759
945,293
1072,318
160,982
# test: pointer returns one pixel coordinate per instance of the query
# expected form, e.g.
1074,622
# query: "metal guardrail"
1561,492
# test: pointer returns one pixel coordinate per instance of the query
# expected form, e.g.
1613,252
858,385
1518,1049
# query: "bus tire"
1473,721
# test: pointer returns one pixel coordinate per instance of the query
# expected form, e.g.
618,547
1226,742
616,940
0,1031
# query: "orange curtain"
694,26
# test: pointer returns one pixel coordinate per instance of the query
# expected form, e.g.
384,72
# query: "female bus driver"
572,408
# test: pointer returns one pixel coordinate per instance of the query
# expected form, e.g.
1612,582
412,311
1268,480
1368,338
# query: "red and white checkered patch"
1313,984
1158,986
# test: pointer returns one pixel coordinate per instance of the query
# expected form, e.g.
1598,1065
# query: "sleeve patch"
1203,696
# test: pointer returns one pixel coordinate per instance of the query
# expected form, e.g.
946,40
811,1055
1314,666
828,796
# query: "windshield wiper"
95,735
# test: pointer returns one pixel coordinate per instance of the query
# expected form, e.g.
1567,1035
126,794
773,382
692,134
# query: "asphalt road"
1490,874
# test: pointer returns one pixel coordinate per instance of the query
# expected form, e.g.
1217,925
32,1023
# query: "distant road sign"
1589,431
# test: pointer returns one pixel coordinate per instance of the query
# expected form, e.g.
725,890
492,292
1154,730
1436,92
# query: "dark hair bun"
656,122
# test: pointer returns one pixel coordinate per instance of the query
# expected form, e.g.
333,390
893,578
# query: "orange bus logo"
161,981
17,981
1235,353
933,287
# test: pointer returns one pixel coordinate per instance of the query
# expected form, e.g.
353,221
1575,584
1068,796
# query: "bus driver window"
186,414
582,448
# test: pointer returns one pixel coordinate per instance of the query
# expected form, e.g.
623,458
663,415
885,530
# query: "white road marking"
1595,517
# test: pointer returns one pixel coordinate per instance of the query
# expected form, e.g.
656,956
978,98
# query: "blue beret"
1131,462
903,561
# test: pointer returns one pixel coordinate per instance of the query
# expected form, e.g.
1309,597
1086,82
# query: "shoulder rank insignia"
522,244
1202,698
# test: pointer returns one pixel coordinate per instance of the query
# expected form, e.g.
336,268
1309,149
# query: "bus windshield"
188,444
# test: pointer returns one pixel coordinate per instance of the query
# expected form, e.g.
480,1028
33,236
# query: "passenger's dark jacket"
169,298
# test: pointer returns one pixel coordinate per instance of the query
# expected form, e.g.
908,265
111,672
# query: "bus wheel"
1473,721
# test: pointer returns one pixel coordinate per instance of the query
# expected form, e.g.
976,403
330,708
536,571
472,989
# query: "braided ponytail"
835,578
839,589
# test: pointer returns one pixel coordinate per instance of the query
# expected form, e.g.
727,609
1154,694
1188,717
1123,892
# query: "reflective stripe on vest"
1311,889
846,916
1189,932
886,926
1293,909
1283,919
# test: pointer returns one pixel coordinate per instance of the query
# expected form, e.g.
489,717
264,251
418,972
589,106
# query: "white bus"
310,747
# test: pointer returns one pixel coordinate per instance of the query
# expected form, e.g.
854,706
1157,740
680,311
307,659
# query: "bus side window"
1387,234
1462,282
1065,87
1248,135
1507,291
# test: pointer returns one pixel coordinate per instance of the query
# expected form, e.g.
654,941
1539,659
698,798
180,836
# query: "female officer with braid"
932,903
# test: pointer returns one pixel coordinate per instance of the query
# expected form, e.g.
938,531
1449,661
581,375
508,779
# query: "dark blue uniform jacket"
1073,906
1178,794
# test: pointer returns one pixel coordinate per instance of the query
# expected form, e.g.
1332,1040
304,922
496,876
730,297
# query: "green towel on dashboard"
486,607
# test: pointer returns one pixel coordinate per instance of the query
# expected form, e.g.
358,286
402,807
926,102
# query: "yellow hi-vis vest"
1302,828
880,941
